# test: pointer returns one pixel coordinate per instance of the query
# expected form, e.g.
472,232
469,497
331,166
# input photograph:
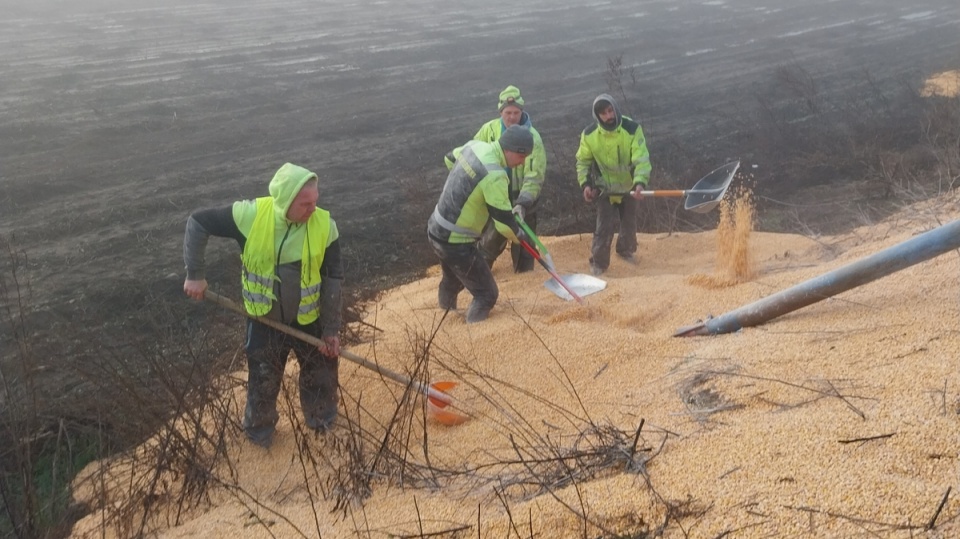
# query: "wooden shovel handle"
306,337
664,193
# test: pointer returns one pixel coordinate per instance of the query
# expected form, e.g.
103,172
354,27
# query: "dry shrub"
186,467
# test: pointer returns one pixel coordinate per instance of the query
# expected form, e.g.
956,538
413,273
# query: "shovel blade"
582,284
707,193
438,393
695,206
444,416
437,407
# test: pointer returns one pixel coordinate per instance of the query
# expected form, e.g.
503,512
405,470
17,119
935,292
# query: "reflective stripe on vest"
452,227
259,260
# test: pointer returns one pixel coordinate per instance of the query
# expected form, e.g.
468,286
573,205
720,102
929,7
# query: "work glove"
520,211
522,236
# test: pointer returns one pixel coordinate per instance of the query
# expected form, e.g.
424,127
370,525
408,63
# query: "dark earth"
118,118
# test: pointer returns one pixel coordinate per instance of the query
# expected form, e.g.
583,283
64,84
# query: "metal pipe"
890,260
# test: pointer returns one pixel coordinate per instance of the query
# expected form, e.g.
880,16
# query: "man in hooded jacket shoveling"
613,161
476,190
526,179
292,273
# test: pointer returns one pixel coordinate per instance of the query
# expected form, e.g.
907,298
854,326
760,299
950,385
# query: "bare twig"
866,439
943,502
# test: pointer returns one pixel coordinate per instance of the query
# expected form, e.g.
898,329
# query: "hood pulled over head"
285,185
599,104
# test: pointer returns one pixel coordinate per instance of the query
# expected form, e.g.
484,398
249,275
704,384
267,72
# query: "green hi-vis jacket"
619,154
273,241
475,190
526,180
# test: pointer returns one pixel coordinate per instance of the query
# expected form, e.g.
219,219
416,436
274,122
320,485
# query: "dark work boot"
447,301
263,385
524,268
476,313
319,381
522,260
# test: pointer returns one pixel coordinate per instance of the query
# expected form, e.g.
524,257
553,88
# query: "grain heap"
837,420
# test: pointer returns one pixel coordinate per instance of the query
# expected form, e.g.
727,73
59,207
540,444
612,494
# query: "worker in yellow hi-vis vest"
476,191
613,161
525,180
291,272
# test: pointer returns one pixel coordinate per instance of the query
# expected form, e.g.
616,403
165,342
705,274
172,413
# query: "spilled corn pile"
837,420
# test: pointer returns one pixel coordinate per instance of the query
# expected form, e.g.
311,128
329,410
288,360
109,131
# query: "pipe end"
692,331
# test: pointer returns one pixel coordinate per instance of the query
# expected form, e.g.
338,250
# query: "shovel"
582,285
706,194
437,398
535,254
540,246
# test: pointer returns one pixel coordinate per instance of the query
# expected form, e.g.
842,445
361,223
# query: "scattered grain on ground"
837,420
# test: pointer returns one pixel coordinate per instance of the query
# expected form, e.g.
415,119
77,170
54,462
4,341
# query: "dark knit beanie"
517,139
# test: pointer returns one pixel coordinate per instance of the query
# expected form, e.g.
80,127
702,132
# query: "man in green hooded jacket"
291,273
613,166
476,190
526,179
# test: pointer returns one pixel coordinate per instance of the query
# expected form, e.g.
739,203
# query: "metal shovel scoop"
569,287
582,284
560,282
706,194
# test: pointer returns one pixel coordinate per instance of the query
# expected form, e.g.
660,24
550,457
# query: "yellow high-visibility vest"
259,262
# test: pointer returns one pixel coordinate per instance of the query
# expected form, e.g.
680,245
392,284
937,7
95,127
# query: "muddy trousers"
463,266
492,243
267,352
608,215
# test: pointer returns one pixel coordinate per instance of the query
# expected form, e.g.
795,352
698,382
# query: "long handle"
306,337
681,193
533,252
526,228
540,246
664,193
